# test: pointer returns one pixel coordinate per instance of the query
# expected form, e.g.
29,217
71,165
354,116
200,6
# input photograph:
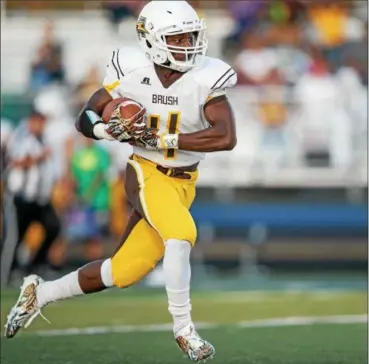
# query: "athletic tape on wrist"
100,131
168,141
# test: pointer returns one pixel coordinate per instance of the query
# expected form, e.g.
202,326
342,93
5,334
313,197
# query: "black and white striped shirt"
33,184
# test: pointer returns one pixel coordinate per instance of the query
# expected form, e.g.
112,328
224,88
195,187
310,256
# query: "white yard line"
305,321
274,322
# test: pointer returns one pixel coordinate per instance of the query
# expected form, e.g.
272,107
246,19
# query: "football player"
188,115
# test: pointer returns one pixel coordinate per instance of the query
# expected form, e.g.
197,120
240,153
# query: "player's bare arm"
91,114
220,136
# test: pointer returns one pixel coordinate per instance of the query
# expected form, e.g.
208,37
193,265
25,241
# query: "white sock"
177,274
60,289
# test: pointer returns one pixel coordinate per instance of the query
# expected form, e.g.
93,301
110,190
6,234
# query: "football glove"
147,139
150,139
123,129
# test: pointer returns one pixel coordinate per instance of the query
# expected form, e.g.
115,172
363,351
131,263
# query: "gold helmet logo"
141,27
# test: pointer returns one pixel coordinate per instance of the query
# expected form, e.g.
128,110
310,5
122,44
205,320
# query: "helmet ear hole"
148,44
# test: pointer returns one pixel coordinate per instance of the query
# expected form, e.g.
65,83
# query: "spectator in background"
60,133
119,10
89,217
332,27
54,101
259,16
256,62
29,188
287,42
48,65
328,20
246,15
323,124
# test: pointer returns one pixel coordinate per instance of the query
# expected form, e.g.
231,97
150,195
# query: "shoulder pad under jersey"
122,62
215,74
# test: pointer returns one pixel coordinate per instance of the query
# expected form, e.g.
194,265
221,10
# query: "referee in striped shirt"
30,181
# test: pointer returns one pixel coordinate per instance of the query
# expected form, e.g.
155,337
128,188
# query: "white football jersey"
176,109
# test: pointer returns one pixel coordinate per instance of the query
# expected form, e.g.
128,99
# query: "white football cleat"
26,309
196,348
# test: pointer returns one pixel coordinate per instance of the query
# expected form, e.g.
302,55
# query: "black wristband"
86,121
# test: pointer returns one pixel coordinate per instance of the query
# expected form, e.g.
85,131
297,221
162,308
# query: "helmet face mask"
174,45
185,56
176,42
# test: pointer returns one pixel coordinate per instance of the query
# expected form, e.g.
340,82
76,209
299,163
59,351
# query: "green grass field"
113,328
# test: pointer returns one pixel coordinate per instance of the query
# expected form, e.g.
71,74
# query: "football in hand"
127,108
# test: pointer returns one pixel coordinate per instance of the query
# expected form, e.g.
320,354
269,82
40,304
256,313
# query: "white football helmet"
159,19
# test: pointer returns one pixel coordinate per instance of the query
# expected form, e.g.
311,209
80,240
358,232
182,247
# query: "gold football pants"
161,212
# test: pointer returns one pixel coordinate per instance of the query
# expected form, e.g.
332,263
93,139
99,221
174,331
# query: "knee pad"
185,231
191,234
137,255
130,270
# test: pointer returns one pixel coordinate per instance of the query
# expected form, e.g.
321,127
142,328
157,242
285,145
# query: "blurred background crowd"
292,194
